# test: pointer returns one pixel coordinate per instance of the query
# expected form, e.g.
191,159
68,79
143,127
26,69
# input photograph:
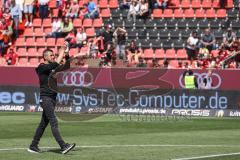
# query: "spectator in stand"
192,44
229,37
81,37
133,10
28,10
61,5
165,63
11,57
120,36
16,14
7,4
133,53
109,55
1,43
43,8
66,27
83,11
93,47
143,9
208,40
20,3
160,4
74,9
141,63
125,4
71,39
56,27
8,31
92,10
107,35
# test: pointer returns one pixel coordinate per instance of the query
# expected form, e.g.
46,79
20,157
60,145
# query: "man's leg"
49,112
40,130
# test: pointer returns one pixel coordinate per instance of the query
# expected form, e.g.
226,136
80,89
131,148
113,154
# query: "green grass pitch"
110,138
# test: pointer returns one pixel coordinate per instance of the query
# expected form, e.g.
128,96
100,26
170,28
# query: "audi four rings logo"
201,76
77,78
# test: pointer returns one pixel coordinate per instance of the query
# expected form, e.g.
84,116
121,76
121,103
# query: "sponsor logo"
100,110
200,77
75,78
11,108
14,97
234,114
219,113
191,112
63,109
143,111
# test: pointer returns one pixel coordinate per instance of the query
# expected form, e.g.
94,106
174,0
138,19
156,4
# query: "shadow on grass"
58,151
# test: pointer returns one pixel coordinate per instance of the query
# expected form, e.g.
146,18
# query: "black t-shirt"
108,36
44,71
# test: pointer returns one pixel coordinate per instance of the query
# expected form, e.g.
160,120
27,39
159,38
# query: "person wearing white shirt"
81,37
133,11
191,47
56,27
43,8
16,14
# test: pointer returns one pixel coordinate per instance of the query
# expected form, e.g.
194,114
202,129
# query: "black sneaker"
67,147
34,149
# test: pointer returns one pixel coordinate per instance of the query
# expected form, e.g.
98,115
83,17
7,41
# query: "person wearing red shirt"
71,38
11,57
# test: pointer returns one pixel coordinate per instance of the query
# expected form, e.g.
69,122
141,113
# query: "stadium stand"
162,35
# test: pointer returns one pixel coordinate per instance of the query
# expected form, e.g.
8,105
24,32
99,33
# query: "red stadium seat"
87,23
200,13
168,13
77,22
173,63
148,53
60,42
30,42
47,30
37,22
113,4
185,4
97,23
215,53
40,51
73,51
105,13
28,32
20,42
221,13
90,32
52,4
196,4
55,12
22,52
157,13
170,53
159,53
103,4
229,4
40,42
206,3
216,4
38,32
33,61
23,61
178,13
174,4
50,42
47,22
32,52
210,13
84,50
189,13
182,54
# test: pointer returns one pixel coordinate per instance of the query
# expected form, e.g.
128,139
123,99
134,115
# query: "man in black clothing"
48,101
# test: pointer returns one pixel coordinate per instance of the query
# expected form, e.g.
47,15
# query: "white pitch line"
134,145
209,156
